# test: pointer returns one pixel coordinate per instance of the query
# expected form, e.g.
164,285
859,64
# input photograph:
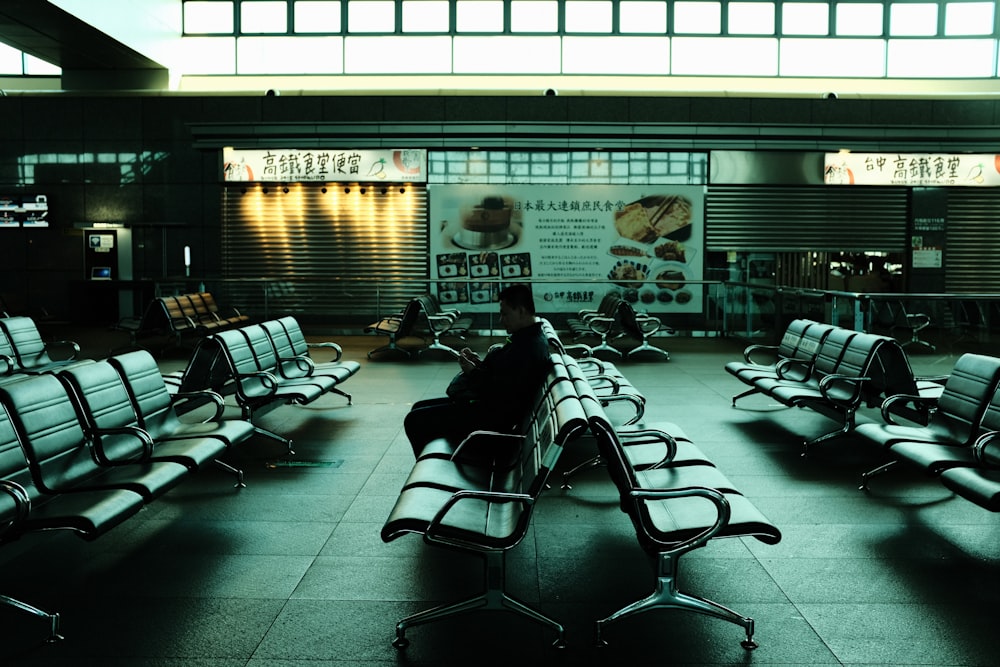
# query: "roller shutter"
801,218
340,253
972,243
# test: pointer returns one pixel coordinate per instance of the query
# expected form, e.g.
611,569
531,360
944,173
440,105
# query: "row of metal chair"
438,322
23,350
87,447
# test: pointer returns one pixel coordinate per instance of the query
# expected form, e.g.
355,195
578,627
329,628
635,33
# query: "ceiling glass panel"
913,19
410,54
289,55
426,16
507,55
208,17
724,56
969,18
616,55
952,58
588,16
263,17
371,16
317,16
642,17
859,18
534,16
805,57
805,18
479,16
697,18
751,18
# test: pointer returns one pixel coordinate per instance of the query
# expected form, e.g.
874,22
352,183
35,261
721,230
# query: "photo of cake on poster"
573,243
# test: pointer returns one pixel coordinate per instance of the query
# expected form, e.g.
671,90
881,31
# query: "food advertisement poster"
573,243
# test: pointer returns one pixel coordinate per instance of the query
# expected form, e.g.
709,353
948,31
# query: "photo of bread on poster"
655,217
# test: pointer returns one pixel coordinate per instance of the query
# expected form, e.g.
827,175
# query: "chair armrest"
328,345
786,366
303,363
67,344
855,382
477,438
722,508
134,431
432,534
265,378
199,398
750,350
919,402
980,446
648,436
638,402
22,502
601,325
602,381
7,365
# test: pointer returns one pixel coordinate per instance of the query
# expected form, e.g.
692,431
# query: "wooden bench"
459,500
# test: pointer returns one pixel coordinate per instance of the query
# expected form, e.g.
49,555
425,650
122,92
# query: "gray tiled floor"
291,571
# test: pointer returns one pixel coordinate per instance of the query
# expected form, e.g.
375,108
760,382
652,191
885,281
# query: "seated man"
493,393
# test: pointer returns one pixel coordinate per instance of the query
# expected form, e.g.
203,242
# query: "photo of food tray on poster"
574,243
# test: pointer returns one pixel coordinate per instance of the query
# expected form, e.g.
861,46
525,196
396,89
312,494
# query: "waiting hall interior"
241,239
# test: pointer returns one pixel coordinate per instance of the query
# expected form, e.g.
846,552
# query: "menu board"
574,243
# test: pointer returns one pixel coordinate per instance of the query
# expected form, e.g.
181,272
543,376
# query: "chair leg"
494,597
54,635
885,467
848,426
343,393
647,347
240,484
666,596
589,464
748,392
274,436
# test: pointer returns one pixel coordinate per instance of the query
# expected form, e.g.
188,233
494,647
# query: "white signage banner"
914,169
575,243
291,165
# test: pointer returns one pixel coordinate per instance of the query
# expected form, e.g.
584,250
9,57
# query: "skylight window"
264,17
805,18
913,19
426,16
751,18
371,16
642,17
479,16
588,16
317,16
534,16
202,18
698,18
859,19
969,18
